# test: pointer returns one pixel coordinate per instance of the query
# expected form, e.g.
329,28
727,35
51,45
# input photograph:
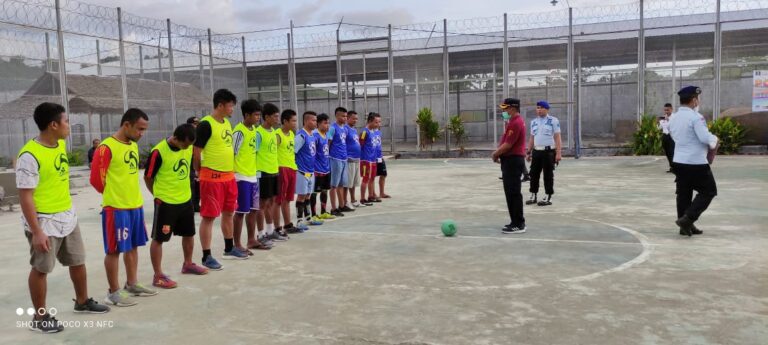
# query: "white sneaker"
350,206
357,204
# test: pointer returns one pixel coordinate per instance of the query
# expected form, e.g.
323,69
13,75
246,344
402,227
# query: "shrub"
76,157
429,129
458,132
730,132
647,138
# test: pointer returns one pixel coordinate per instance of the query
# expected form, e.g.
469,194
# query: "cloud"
219,15
394,16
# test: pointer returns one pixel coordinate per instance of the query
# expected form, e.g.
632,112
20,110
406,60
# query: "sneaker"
514,230
314,221
265,240
193,269
120,298
326,216
139,290
48,324
90,306
298,229
375,200
235,254
276,236
337,213
365,202
357,204
212,264
259,245
290,229
346,208
163,281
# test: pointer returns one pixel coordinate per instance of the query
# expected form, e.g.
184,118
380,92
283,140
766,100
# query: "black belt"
546,148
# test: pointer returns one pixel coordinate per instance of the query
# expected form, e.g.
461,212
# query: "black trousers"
512,168
195,186
669,147
690,178
543,160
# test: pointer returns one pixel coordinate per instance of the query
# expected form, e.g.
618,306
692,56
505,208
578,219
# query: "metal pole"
200,57
717,62
391,72
291,94
578,109
280,87
571,137
98,59
121,46
493,107
141,61
62,64
446,76
674,73
365,87
171,76
418,103
160,57
48,67
245,71
641,64
338,67
505,59
293,75
210,61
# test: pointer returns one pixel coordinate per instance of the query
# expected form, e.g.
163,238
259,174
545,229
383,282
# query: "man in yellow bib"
50,222
286,159
167,178
214,161
115,174
266,163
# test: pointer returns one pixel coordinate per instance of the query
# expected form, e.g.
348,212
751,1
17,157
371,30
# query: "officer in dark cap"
511,155
693,143
543,152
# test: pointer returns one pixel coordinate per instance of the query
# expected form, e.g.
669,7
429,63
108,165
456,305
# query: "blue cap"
689,91
543,104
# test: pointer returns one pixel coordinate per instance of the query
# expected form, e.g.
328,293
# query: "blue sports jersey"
305,155
338,136
353,143
369,150
322,156
377,141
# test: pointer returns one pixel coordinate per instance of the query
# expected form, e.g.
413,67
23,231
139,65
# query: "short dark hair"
340,109
223,96
47,112
287,115
667,105
687,99
185,132
250,106
351,112
322,118
372,116
270,109
191,119
94,140
132,115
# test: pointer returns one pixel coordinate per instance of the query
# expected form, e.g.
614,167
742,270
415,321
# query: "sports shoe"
375,200
337,213
163,281
298,229
139,290
212,264
357,204
314,221
514,230
290,229
193,268
276,236
119,298
346,208
366,203
266,241
48,324
235,254
259,245
90,306
326,216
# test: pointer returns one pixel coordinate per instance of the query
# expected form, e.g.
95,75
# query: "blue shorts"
339,176
304,185
123,230
247,196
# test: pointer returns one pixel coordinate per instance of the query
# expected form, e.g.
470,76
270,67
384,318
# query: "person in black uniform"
666,140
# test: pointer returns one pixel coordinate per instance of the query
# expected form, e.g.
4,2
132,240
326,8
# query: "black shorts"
269,186
322,182
177,219
381,168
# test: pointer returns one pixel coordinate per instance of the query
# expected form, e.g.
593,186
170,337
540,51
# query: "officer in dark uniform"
693,145
511,154
543,152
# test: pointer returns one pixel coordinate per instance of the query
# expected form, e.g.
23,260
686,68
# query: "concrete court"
603,265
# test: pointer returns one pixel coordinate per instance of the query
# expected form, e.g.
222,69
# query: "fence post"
446,85
210,61
573,138
338,67
141,61
717,62
245,69
200,57
291,95
390,72
62,62
365,87
505,60
641,63
98,57
293,75
123,77
171,77
493,107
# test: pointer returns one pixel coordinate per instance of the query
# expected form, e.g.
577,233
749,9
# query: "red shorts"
367,171
287,185
217,197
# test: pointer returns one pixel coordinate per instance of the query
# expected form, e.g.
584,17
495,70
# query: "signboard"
760,91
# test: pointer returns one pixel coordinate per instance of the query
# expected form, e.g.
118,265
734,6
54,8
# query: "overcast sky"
244,15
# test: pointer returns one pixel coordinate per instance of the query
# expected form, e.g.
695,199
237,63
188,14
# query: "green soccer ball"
448,227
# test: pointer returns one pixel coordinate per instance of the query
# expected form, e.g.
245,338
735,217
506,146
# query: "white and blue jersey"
338,137
543,130
370,143
353,143
322,155
379,154
305,149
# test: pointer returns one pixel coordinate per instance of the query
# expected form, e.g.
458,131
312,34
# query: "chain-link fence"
599,67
